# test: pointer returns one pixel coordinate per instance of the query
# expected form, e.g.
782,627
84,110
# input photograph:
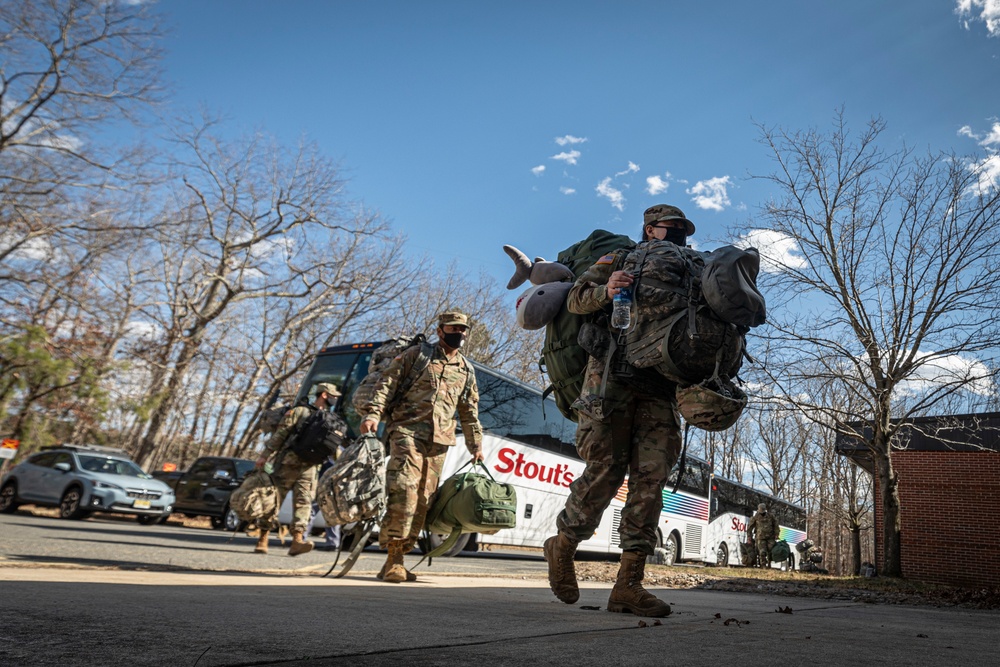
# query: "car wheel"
433,541
672,550
722,555
69,505
8,497
231,521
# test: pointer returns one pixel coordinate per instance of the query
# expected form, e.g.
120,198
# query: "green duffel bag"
780,552
468,502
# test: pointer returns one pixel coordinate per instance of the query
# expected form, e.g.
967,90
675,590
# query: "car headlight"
105,485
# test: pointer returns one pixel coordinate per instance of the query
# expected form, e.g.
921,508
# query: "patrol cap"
330,389
661,212
762,507
453,317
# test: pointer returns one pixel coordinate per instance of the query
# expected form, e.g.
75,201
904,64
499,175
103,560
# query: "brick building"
949,493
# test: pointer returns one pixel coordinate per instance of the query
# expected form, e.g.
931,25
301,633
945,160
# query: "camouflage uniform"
640,436
421,428
290,473
764,527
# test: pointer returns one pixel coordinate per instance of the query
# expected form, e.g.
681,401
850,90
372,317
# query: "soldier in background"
292,474
421,428
763,527
626,432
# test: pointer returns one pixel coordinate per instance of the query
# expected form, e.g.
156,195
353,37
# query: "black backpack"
320,436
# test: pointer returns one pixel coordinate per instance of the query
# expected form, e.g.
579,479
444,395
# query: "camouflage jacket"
589,294
427,411
286,427
766,526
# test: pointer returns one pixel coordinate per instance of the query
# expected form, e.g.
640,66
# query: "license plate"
141,504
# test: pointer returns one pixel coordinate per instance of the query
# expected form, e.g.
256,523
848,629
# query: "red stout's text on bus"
512,461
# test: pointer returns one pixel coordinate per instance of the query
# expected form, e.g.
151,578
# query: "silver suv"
80,479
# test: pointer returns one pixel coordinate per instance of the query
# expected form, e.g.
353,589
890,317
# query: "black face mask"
676,236
454,340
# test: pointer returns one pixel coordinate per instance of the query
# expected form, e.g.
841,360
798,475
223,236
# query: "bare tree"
890,293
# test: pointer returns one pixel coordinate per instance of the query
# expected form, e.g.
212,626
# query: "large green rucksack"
563,360
470,503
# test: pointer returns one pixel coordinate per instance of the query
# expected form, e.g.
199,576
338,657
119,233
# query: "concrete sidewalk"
110,617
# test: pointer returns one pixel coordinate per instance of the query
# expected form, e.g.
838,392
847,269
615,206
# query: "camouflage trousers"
293,475
764,546
641,439
411,478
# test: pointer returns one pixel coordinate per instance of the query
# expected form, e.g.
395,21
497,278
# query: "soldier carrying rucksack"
305,437
420,414
625,428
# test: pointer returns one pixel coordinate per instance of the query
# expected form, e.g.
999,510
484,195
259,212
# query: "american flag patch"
607,259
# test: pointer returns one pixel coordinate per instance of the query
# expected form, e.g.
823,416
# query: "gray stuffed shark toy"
551,282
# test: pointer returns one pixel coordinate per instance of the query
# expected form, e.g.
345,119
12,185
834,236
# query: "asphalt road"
110,541
111,592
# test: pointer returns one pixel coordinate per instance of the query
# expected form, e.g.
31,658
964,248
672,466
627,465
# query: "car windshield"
243,467
110,466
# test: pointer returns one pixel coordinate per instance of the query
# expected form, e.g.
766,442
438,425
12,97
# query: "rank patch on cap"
607,259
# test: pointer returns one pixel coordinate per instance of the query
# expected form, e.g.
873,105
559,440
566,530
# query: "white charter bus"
528,443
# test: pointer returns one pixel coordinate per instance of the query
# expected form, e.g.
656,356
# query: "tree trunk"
889,498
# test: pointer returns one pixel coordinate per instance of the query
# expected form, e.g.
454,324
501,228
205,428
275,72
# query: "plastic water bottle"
621,316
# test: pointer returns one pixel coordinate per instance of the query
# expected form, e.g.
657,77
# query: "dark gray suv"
80,479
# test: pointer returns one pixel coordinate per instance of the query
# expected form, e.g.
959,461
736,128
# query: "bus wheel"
671,547
722,555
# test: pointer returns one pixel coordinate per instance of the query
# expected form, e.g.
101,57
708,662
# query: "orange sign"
8,448
169,467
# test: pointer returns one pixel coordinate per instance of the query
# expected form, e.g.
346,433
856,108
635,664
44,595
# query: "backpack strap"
420,365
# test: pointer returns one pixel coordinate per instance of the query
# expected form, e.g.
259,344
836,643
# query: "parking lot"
120,542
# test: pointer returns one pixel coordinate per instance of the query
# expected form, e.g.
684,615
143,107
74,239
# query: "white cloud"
569,140
615,196
567,191
987,11
143,330
34,249
711,194
988,172
777,250
539,170
994,136
568,157
656,185
966,131
630,169
950,369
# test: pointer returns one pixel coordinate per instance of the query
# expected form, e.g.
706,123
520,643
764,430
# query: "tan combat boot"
300,545
393,570
628,595
409,575
559,551
261,547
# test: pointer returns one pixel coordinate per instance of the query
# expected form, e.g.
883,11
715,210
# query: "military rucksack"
319,437
271,417
352,491
256,500
563,360
353,488
383,355
470,503
676,331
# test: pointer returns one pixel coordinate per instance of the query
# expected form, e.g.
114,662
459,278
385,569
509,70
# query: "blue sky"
471,124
